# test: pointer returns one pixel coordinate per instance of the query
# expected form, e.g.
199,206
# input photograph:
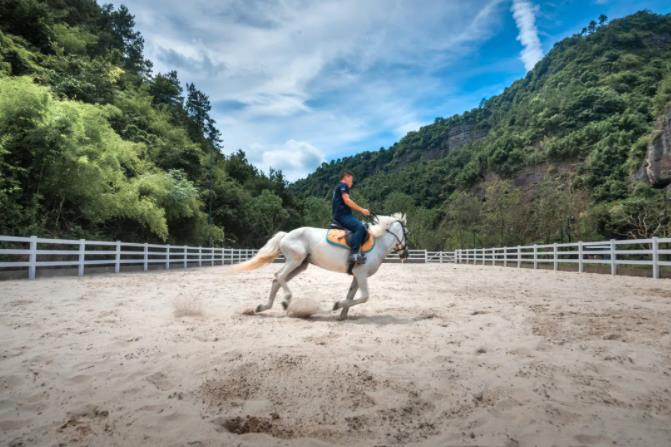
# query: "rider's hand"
365,212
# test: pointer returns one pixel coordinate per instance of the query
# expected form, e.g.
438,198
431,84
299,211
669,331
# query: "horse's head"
394,225
400,231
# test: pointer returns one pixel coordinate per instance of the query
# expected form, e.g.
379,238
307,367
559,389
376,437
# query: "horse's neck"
387,241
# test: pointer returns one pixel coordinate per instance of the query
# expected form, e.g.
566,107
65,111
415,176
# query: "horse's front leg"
362,283
344,304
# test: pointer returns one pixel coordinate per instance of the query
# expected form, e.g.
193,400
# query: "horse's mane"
382,223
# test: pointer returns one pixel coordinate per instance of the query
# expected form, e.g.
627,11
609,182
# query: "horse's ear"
404,218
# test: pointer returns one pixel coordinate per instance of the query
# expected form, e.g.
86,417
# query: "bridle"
401,247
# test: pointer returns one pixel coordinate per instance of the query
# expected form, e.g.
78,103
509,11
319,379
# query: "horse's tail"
265,255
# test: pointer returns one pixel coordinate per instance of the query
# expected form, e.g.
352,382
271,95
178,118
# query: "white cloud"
296,75
525,18
407,127
294,158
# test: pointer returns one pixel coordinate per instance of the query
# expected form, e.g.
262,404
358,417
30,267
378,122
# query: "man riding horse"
324,248
341,210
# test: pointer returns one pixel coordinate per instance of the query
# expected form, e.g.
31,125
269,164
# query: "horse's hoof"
336,306
259,308
285,305
342,317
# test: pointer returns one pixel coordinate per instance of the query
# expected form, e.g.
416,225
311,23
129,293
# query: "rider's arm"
349,202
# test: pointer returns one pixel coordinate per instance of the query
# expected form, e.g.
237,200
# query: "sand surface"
441,355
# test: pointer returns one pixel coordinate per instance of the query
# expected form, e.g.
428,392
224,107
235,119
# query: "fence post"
200,256
494,250
167,257
555,258
32,260
613,258
82,257
484,250
117,258
535,256
223,251
505,256
146,256
426,256
519,256
580,264
184,256
211,256
655,258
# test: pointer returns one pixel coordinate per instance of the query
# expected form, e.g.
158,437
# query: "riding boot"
357,258
362,257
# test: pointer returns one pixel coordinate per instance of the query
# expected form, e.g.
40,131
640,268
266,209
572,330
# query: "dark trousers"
357,228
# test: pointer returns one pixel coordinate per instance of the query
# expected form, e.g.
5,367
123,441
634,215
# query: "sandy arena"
441,355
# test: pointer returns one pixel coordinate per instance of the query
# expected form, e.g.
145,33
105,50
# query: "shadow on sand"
376,320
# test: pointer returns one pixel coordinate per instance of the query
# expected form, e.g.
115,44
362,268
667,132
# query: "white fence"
655,253
33,253
82,253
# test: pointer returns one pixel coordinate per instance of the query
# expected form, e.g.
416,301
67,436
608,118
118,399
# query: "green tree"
166,89
266,215
463,219
316,212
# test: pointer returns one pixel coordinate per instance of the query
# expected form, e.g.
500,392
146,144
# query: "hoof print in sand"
253,424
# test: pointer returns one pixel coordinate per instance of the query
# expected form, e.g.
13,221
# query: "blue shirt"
339,208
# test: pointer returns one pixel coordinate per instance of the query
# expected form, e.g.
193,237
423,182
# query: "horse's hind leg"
300,269
271,298
280,281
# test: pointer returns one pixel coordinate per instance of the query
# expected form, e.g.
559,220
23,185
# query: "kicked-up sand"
440,355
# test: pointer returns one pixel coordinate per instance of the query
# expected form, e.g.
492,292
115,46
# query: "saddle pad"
338,238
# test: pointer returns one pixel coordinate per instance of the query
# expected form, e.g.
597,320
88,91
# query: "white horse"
308,245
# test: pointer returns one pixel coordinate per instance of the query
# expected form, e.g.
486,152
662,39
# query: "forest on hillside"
94,144
554,158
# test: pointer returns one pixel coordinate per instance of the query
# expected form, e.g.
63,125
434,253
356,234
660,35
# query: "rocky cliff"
457,136
656,168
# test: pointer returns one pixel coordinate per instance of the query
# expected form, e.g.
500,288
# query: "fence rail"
33,253
83,253
654,252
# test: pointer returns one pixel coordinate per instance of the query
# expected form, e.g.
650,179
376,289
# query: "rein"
403,244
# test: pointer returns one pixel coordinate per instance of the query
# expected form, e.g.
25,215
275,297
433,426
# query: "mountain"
94,145
553,158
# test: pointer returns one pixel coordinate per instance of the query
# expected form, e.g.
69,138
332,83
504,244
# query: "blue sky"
298,82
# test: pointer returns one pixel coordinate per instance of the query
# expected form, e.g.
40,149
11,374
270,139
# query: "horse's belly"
329,257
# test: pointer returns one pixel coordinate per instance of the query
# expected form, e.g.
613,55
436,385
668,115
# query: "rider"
342,215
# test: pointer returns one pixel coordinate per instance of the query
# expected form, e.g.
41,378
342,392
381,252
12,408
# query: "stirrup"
357,258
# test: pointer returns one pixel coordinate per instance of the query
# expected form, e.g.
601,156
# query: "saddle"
340,236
